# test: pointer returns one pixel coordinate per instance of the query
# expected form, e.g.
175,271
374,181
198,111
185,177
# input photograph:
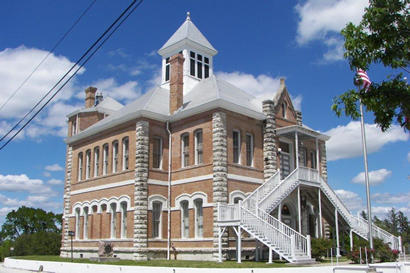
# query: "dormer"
196,50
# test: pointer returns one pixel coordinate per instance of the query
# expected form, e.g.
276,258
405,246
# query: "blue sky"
257,43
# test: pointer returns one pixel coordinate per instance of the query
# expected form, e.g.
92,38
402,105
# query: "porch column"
280,212
317,155
299,211
239,253
337,234
320,213
270,255
297,150
220,244
351,240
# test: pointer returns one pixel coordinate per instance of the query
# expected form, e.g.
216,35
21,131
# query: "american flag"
361,74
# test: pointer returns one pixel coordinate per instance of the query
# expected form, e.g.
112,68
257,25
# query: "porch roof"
302,130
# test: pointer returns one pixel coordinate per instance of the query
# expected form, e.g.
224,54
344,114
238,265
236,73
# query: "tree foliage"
28,221
382,37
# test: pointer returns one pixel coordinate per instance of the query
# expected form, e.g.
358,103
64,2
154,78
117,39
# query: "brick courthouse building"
196,141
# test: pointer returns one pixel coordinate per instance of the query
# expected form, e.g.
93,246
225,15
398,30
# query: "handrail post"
308,246
239,211
292,246
400,244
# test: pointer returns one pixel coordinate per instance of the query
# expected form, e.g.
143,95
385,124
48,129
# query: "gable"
284,109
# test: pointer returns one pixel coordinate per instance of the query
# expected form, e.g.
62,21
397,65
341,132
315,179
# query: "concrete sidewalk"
12,270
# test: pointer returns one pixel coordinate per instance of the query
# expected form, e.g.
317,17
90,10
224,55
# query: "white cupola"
197,51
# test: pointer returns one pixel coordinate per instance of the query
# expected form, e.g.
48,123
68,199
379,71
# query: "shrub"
320,247
40,243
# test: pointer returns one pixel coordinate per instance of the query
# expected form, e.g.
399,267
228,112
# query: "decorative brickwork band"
141,190
269,144
65,244
323,161
220,172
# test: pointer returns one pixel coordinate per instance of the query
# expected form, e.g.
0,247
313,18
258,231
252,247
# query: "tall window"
85,223
123,219
105,159
87,164
284,107
113,220
303,156
184,219
74,128
114,156
236,139
313,160
249,150
199,219
167,67
80,167
125,152
199,65
96,161
198,147
157,153
156,219
185,150
77,223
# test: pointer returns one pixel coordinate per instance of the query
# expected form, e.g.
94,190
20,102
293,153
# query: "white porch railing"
308,174
228,213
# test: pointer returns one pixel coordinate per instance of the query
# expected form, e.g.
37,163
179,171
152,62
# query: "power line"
48,54
121,20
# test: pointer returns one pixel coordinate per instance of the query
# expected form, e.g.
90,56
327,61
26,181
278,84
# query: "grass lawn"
164,263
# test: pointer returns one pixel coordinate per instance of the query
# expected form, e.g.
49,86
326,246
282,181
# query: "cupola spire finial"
188,16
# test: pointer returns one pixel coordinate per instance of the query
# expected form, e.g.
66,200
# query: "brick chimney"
176,84
90,96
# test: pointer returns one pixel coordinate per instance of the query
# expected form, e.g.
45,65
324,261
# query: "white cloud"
54,168
388,198
345,141
16,65
381,211
263,87
22,183
55,181
324,19
375,177
351,199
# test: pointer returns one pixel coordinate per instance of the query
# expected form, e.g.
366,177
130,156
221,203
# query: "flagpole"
366,176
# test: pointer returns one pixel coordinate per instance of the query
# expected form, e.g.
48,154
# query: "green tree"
381,37
26,220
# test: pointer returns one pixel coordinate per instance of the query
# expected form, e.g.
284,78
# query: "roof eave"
169,49
302,130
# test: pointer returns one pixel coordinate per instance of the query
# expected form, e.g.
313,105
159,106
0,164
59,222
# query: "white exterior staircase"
252,214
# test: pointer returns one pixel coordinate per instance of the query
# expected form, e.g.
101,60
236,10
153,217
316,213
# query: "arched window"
96,161
285,210
114,156
156,219
105,159
77,223
237,199
157,153
249,149
198,147
113,222
87,164
199,219
236,141
80,167
123,219
184,219
185,150
85,223
125,152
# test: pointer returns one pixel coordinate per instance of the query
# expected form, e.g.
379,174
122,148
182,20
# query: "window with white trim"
184,219
77,223
105,159
125,153
249,150
198,147
199,65
185,150
74,128
85,223
80,167
115,156
156,219
313,164
96,161
123,206
237,199
284,108
236,141
199,219
167,69
157,153
87,164
113,220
